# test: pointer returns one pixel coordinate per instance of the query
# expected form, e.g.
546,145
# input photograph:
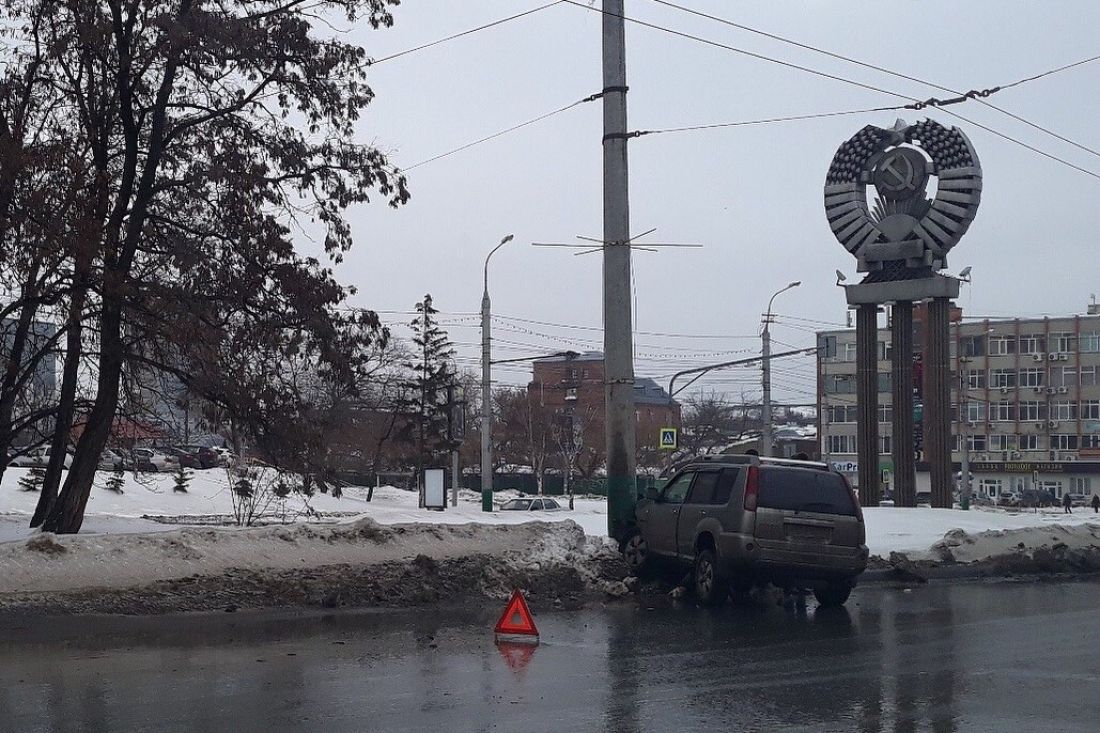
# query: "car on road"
203,457
112,460
530,505
184,457
153,460
739,521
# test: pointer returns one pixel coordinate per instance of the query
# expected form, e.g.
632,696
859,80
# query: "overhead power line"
513,128
907,77
471,31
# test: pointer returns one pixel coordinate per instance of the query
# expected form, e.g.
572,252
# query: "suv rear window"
804,490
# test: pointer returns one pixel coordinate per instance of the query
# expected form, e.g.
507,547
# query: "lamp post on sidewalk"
766,369
486,382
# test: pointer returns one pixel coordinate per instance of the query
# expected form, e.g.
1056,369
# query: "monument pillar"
937,403
902,443
867,404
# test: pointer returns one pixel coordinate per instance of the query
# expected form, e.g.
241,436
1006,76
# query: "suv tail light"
855,498
752,488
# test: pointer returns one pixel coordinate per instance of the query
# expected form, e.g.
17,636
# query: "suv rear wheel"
833,595
636,552
708,586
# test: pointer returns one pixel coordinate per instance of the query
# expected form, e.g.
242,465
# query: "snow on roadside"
49,563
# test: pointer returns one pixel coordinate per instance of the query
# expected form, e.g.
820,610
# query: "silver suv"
745,520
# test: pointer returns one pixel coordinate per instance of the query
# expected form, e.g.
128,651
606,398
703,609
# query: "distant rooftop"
572,356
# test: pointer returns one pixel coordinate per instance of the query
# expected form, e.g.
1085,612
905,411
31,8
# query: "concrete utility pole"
486,380
766,439
618,336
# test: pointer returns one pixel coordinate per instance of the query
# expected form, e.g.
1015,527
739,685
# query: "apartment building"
1025,399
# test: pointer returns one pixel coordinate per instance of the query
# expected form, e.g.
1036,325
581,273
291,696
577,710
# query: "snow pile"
916,530
960,546
48,563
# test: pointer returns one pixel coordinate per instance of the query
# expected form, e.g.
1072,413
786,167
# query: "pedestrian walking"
1095,503
1067,504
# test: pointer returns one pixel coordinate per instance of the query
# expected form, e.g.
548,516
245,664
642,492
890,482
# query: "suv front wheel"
709,589
636,553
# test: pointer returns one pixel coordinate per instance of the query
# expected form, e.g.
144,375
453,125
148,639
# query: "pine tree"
116,481
32,481
183,478
431,371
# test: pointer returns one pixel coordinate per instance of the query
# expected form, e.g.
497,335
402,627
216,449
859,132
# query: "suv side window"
725,485
702,490
677,489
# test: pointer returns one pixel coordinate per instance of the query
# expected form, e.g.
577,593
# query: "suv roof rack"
742,459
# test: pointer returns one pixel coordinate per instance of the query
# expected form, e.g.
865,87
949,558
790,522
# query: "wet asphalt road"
969,657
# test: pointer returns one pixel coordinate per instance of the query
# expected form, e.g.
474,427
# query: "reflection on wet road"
982,657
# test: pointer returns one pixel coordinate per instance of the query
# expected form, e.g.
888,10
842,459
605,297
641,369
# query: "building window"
1090,342
1033,411
839,444
884,445
1088,376
1090,441
975,379
1032,344
827,346
976,443
1080,485
841,384
1064,410
885,350
975,411
1053,486
1064,377
1001,345
1030,442
1002,378
841,413
991,487
1063,442
849,351
1063,342
972,345
1031,377
1090,410
884,382
1002,442
1002,411
885,413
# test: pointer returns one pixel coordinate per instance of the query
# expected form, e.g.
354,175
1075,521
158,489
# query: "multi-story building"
1025,399
574,384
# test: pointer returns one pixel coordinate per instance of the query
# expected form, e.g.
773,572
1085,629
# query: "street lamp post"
766,369
486,383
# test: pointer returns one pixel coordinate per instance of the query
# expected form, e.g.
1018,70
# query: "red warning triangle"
517,618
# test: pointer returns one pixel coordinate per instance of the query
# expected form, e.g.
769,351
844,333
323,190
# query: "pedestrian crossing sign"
668,438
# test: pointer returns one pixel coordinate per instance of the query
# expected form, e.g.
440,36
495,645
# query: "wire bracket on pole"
621,90
620,135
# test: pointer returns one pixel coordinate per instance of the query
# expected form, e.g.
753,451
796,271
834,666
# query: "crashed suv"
740,521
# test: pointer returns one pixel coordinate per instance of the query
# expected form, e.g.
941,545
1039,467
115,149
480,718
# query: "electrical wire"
506,131
471,31
907,77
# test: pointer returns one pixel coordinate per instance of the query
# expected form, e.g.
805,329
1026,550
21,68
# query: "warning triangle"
516,618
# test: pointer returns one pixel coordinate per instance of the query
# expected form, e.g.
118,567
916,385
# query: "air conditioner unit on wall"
1040,425
1016,454
1038,357
1069,456
1050,390
1063,390
1052,423
1004,390
983,457
1063,357
1038,389
1052,356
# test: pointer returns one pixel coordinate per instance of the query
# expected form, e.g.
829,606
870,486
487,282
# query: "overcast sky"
751,195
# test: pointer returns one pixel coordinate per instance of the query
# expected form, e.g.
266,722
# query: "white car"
153,461
530,505
111,460
38,458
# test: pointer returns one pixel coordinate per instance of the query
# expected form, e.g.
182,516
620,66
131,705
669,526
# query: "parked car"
183,457
205,457
112,460
153,461
739,521
39,458
530,505
1079,499
1032,498
226,457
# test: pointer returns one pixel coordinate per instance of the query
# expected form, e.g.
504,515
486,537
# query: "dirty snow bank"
302,564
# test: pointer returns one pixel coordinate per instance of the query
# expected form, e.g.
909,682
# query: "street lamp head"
507,239
965,274
795,284
840,277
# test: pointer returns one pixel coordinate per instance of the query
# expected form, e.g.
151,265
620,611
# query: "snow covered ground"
889,529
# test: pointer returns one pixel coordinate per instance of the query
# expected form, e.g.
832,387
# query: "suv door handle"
703,512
